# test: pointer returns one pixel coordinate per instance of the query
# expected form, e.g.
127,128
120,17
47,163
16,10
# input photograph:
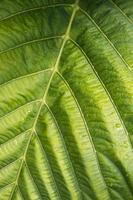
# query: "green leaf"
66,100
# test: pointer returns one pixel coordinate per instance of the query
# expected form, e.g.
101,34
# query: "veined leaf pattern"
66,100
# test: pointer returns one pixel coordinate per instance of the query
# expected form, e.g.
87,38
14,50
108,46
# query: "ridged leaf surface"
66,100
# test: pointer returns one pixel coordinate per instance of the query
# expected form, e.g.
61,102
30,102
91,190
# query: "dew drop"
117,125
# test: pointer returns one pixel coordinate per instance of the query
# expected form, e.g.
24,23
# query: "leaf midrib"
45,95
66,5
55,70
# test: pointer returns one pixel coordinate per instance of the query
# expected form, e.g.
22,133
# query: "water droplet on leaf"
118,125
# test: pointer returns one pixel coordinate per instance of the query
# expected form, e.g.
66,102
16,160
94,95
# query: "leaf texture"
66,100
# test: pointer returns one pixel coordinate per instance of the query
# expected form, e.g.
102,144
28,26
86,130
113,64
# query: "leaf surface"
66,100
